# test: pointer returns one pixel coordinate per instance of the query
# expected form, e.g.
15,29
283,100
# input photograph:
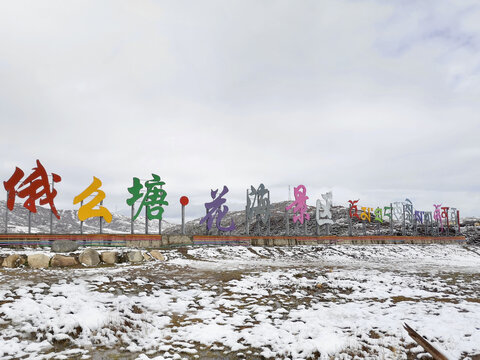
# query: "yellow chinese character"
87,210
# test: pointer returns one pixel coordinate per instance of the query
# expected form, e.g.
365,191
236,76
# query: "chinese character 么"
299,205
153,198
88,210
34,187
215,210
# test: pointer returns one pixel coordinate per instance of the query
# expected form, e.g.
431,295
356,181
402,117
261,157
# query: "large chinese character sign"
153,198
216,211
258,206
299,206
90,209
34,187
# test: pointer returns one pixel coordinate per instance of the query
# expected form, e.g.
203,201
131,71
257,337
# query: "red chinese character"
34,187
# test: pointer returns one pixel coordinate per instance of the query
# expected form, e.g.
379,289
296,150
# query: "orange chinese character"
87,210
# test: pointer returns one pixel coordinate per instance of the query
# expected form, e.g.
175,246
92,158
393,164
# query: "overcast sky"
376,100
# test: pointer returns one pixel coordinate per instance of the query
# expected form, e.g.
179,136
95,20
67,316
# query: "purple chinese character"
214,210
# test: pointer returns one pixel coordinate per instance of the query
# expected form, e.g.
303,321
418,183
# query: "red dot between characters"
184,200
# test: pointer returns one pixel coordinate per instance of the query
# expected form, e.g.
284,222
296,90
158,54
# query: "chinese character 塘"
153,198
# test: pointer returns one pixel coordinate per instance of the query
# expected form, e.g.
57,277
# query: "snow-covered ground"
249,302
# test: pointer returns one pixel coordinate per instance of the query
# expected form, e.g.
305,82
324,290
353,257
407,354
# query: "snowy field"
304,302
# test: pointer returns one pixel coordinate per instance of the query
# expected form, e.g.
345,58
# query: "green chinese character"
153,197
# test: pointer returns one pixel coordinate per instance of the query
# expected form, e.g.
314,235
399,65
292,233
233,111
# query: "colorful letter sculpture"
419,216
260,205
408,211
388,212
353,209
215,210
153,198
398,210
323,212
378,215
299,205
34,187
88,210
437,215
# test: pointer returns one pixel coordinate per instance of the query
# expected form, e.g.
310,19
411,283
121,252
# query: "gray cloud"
375,100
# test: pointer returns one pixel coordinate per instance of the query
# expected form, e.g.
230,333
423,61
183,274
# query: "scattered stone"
64,246
147,257
157,255
109,257
122,258
38,261
318,286
135,256
63,261
14,260
89,257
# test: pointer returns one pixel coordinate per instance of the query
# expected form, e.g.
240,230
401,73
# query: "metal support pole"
183,219
364,225
131,219
6,215
206,222
146,221
448,226
81,222
51,211
247,230
317,228
268,212
327,228
287,222
305,227
404,230
100,219
391,219
350,232
29,222
458,222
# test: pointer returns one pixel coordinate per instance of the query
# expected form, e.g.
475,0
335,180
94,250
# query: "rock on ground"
147,256
63,261
157,255
89,257
14,260
135,256
109,257
64,246
38,261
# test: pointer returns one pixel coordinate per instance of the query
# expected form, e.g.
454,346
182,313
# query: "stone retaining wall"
166,241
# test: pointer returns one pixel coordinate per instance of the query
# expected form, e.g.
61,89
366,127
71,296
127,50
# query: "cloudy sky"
376,100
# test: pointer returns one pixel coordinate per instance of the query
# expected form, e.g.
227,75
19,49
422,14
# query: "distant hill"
68,223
